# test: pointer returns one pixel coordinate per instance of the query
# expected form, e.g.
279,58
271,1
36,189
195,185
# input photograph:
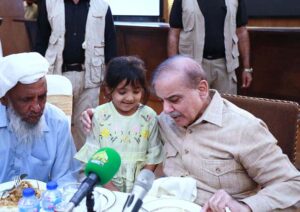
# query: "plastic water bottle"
51,197
29,202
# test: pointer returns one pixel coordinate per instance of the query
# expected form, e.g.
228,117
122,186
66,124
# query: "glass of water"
68,191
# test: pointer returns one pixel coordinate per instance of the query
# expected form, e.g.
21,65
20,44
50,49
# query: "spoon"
17,181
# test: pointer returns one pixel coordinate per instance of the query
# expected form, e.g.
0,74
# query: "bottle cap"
51,185
27,192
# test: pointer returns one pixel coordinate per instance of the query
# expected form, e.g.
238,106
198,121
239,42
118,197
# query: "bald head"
180,83
190,70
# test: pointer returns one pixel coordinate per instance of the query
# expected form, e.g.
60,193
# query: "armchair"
282,118
60,93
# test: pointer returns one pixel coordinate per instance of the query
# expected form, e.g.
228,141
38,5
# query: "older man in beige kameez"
231,154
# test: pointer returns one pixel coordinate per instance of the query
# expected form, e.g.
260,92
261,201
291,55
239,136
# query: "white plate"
35,183
168,204
108,198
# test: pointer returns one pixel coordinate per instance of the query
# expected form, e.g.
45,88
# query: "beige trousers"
83,98
218,77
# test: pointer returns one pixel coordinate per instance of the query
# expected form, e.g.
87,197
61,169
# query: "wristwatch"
248,70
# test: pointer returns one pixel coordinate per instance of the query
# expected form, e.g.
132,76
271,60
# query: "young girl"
124,123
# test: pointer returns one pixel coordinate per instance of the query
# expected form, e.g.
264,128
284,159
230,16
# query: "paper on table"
179,187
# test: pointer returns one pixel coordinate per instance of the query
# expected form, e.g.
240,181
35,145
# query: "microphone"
141,187
100,169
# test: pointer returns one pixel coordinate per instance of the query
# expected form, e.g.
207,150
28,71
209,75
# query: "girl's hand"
86,119
110,186
151,167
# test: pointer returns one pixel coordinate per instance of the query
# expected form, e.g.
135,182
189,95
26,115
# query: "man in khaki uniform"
231,154
213,33
77,38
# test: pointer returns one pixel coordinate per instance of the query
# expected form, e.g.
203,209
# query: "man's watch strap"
248,70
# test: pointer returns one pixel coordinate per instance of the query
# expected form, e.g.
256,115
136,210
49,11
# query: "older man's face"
183,103
29,100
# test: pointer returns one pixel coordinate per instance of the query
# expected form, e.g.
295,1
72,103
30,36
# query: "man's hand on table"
220,200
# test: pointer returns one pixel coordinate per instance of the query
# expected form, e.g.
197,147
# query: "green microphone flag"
104,163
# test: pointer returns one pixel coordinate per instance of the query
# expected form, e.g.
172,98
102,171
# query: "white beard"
25,132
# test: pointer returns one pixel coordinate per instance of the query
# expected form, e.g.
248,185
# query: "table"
121,199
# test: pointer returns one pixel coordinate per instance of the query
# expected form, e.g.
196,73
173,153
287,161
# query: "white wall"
135,7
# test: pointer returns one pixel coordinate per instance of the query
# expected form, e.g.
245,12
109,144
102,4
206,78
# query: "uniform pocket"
51,53
188,19
172,165
97,65
186,41
186,48
99,50
170,152
224,174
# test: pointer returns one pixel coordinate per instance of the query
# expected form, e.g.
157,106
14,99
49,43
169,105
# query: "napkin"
176,187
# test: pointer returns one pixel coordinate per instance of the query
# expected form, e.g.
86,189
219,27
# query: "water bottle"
29,202
51,197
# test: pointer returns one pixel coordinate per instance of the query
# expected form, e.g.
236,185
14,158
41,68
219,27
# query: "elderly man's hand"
222,200
86,119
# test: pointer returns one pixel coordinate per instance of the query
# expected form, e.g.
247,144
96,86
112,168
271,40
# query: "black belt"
213,57
72,67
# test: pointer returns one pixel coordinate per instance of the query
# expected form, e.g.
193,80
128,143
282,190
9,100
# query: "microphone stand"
90,201
86,187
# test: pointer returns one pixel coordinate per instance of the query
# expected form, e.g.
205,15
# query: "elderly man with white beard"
35,137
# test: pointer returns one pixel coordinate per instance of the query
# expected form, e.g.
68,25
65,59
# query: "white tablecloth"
121,199
164,191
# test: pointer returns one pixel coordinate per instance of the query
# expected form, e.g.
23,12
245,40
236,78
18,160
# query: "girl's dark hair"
129,68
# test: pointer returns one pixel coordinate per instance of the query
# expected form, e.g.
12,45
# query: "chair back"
281,117
60,93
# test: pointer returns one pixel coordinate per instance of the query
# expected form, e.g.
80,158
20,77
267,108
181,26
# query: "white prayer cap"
26,68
